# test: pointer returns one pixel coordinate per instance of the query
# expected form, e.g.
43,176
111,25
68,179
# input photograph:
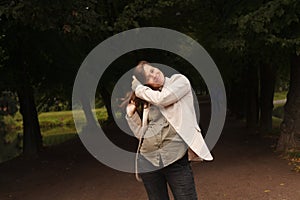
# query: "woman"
168,127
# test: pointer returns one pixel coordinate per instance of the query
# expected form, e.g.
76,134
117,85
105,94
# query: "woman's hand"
130,109
135,83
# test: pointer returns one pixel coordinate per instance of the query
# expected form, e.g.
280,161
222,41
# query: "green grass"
276,126
56,128
52,119
65,118
55,118
276,122
278,111
59,127
280,95
56,139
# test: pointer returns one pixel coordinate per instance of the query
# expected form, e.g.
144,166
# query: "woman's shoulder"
179,77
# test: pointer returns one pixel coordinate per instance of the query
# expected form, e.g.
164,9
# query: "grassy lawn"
56,128
278,110
65,118
280,95
276,126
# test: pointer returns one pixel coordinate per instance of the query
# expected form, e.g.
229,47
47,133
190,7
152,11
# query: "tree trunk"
236,99
252,98
290,127
32,138
267,84
106,97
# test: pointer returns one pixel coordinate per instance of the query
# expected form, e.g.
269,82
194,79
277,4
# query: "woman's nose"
150,76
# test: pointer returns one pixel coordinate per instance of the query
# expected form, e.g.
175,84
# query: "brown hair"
139,72
139,103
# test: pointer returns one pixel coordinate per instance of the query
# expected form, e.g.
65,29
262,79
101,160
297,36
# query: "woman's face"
154,77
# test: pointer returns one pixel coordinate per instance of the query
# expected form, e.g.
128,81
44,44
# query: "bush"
10,142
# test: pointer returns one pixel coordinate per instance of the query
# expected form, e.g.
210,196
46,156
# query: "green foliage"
46,39
10,122
294,154
134,11
8,103
13,136
275,24
49,104
101,115
271,17
44,42
3,55
10,142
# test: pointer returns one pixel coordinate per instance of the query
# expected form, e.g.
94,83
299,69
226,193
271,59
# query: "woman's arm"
169,94
134,120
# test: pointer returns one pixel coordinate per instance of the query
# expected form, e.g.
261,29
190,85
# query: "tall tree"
32,40
41,46
267,82
290,127
257,31
275,24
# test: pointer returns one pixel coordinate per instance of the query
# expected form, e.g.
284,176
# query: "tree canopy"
43,43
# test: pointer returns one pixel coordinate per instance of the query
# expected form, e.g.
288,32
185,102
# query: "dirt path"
244,168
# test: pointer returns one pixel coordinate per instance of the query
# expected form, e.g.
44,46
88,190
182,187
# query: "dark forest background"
255,44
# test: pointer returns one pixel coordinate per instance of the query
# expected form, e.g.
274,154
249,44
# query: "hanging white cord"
144,123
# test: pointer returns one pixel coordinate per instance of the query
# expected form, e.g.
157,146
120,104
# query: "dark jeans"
178,175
